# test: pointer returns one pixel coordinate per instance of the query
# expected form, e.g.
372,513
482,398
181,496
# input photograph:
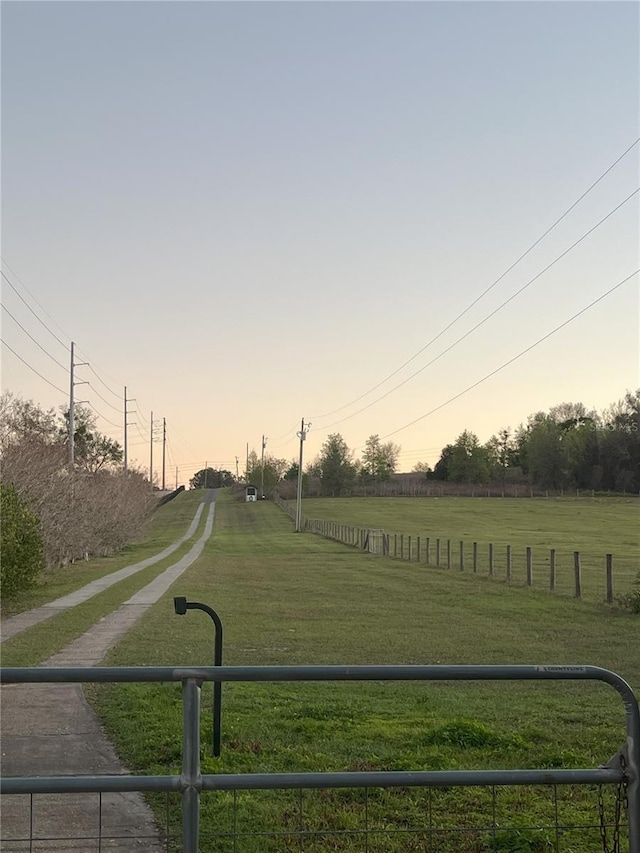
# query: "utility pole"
151,452
237,473
164,450
264,444
302,436
176,477
246,470
125,429
127,412
72,402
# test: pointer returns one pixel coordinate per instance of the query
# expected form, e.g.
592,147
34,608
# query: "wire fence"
579,574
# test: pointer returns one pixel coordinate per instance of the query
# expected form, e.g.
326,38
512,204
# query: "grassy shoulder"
167,524
289,599
592,526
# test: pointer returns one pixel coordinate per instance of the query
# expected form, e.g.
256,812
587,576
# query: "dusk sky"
253,212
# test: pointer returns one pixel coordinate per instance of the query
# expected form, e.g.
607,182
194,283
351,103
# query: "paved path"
21,621
51,730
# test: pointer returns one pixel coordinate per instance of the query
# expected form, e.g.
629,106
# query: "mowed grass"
593,526
167,524
293,599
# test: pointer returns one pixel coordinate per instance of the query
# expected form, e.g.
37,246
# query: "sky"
250,213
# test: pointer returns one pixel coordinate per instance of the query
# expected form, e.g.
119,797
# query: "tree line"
567,447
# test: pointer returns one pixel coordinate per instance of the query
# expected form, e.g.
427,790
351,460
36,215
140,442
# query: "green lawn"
593,526
289,599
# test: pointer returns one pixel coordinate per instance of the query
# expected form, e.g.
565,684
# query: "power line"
89,403
484,292
19,295
46,352
103,399
17,277
111,391
515,357
488,317
31,368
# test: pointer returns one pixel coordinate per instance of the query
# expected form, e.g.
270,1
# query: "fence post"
577,574
418,548
609,559
428,550
438,553
395,544
552,570
461,555
475,556
491,558
409,547
529,567
508,563
448,553
402,546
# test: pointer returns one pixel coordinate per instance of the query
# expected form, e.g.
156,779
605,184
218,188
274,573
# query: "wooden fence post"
438,553
418,547
529,567
577,575
402,546
395,544
427,548
475,556
448,553
491,558
609,559
409,547
461,556
552,570
508,563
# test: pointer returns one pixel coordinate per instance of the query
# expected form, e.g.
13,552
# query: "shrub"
631,601
21,550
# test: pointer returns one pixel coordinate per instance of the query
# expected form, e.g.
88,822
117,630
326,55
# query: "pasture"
593,526
290,599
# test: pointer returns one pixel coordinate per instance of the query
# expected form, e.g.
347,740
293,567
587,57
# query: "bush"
631,601
21,550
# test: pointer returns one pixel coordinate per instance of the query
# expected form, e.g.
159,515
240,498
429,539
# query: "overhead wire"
515,357
488,316
103,399
31,368
23,285
29,335
484,292
42,323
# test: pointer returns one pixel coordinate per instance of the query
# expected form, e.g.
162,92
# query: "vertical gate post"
191,778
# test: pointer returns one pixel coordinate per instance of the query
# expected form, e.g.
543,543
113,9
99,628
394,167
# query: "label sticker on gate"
561,669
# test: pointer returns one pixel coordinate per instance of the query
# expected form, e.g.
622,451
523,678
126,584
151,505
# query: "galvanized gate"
623,772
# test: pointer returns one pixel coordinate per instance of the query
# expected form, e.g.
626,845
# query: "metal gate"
622,772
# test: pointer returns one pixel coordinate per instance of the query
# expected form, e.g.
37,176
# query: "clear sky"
253,212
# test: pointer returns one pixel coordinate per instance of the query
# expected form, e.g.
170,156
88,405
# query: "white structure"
251,494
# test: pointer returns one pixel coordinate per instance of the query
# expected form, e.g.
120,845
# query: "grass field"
592,526
288,599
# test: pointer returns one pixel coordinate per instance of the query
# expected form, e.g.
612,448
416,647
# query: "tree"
21,549
92,450
501,453
544,456
469,461
211,478
441,470
379,460
422,468
334,466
